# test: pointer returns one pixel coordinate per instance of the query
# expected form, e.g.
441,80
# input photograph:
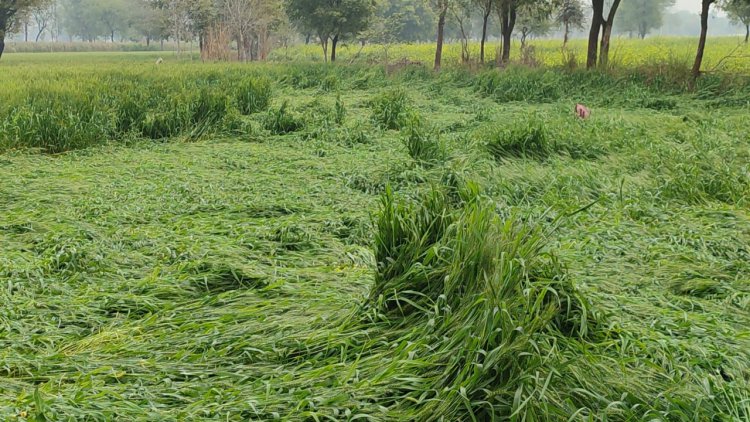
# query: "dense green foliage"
491,256
640,17
331,20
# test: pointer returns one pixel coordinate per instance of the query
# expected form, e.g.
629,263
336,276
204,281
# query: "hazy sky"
689,5
695,6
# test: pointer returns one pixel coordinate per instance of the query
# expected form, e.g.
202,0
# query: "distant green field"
306,242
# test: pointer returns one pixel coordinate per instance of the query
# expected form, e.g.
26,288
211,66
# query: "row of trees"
253,25
533,16
86,19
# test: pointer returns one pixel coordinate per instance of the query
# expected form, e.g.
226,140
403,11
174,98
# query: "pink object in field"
582,111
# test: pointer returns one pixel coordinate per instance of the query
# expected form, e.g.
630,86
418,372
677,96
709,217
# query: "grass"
342,270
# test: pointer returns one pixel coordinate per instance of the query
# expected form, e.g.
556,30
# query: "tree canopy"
640,17
739,13
570,15
10,10
331,20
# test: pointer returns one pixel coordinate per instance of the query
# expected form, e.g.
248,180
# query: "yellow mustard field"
726,54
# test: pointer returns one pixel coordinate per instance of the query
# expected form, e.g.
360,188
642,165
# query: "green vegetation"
307,242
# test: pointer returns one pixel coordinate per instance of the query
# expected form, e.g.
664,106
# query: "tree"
600,25
150,23
177,11
250,21
508,11
705,9
178,16
570,15
384,31
81,20
642,16
415,17
201,16
91,19
485,6
113,14
441,9
42,13
461,12
739,13
239,16
10,11
270,18
533,20
331,20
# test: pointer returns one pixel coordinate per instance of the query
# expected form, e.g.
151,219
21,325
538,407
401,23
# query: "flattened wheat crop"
305,242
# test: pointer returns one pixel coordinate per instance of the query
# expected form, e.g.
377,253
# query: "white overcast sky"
689,5
695,7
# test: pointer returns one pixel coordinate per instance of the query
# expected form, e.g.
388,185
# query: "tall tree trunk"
747,32
566,37
485,19
2,42
607,34
440,33
248,48
112,37
263,43
148,41
596,25
334,43
324,44
705,8
26,32
604,46
507,24
240,46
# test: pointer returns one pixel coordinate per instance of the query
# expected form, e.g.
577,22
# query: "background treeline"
250,29
149,20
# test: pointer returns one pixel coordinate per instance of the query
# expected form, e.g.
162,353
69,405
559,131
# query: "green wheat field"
308,242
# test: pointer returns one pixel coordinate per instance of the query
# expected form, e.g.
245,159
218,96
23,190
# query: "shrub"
521,85
131,109
329,83
253,95
339,111
292,237
527,139
468,280
352,135
347,135
282,121
660,104
206,109
57,122
390,109
423,144
708,178
161,124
